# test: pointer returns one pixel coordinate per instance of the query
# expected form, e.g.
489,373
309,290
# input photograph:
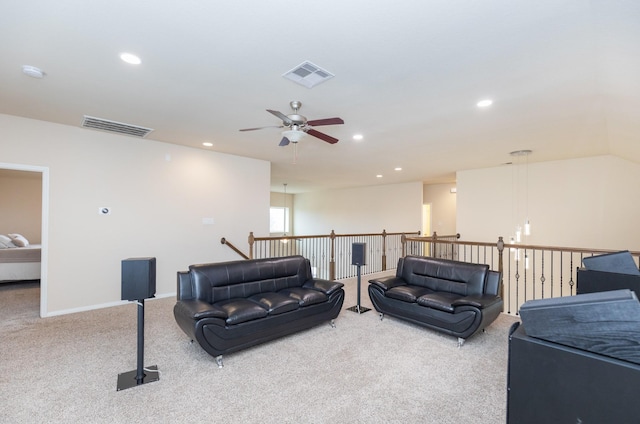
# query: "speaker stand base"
359,309
129,379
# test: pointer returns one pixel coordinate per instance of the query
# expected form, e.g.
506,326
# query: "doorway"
44,226
426,226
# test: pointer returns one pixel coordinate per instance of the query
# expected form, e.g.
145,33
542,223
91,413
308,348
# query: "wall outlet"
104,210
207,221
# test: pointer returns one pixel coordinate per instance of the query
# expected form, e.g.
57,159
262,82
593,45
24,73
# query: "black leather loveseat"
457,298
230,306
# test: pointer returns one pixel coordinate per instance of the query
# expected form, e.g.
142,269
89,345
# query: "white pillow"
18,240
5,242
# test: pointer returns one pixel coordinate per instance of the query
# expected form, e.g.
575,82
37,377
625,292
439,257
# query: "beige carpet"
64,370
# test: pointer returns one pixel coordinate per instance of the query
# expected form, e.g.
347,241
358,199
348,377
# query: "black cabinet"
553,383
590,281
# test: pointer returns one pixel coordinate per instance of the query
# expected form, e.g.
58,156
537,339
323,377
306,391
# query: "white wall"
158,193
394,208
589,202
443,208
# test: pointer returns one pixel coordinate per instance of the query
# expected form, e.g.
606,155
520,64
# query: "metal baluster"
542,279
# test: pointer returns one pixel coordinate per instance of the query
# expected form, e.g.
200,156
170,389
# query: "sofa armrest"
325,286
389,282
480,301
197,309
185,290
492,285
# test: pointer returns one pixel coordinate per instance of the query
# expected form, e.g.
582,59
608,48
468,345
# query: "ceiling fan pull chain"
295,153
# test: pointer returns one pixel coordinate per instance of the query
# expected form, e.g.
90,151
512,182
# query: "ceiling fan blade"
322,136
285,118
284,141
259,128
328,121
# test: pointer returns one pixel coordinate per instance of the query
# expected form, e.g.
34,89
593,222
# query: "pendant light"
525,229
521,231
284,214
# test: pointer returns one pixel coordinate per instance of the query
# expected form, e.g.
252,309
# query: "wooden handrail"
232,247
331,235
520,246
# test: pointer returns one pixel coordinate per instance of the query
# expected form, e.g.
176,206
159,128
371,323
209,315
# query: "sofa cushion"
275,303
442,301
220,281
305,297
444,275
407,293
241,310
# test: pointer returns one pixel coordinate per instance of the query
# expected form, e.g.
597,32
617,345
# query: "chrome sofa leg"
381,316
333,323
460,342
219,361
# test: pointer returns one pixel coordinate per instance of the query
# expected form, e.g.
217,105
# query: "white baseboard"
102,306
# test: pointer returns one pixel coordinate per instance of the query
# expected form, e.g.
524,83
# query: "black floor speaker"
138,278
359,254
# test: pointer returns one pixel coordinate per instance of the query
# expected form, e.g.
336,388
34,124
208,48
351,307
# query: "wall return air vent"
308,74
114,127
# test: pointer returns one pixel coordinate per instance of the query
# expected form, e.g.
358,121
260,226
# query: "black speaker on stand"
358,258
138,284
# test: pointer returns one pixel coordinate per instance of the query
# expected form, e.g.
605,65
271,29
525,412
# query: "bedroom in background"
20,226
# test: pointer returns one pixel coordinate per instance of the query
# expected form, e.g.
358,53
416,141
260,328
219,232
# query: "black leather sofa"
457,298
230,306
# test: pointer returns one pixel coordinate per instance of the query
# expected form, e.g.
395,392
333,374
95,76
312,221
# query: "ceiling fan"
298,126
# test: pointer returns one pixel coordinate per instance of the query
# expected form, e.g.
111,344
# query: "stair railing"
528,271
330,254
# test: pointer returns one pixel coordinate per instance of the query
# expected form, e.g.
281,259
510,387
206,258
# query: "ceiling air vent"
114,127
308,74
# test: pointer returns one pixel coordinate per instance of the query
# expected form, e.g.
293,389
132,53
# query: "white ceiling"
564,76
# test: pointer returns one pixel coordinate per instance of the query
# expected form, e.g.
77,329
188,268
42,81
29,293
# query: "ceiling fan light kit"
293,135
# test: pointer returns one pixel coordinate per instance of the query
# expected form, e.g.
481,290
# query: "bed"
20,263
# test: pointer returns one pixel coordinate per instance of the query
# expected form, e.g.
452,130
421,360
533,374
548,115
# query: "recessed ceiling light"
379,176
358,137
397,168
207,144
130,58
484,103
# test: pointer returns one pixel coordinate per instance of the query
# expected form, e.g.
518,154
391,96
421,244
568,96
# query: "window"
278,220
